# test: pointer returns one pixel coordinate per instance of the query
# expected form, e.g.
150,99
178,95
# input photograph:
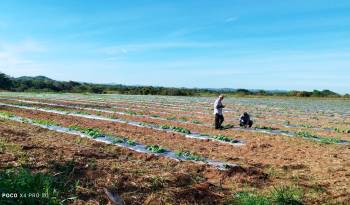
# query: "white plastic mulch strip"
136,147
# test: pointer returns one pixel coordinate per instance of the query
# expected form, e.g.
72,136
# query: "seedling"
44,122
196,122
155,149
189,155
222,138
131,142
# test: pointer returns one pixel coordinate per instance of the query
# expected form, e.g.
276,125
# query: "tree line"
44,84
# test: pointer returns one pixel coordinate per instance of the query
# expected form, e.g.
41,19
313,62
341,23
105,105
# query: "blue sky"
285,45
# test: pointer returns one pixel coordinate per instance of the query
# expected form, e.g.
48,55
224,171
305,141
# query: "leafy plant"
6,114
181,129
171,118
44,122
189,155
155,149
222,138
165,126
131,142
153,115
266,128
131,113
196,122
92,132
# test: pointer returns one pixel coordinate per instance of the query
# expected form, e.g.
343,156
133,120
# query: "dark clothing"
245,121
246,124
219,119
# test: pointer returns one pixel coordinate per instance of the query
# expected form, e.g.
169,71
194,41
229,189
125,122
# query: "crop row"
96,134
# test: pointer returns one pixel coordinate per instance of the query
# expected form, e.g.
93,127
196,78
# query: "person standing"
219,116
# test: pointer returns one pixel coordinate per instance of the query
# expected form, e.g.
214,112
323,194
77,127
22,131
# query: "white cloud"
16,58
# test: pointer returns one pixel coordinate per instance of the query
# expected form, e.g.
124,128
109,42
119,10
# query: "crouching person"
245,121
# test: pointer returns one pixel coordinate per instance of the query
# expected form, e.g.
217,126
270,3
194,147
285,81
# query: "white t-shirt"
218,107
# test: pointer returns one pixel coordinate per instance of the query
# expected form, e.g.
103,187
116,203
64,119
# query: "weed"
153,115
287,195
280,196
157,183
24,182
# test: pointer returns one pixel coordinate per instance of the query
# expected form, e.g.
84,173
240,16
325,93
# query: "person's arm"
219,105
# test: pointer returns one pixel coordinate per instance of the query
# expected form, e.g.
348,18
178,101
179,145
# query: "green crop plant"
165,126
155,149
44,122
196,122
116,140
305,134
325,140
180,129
153,115
131,142
92,132
189,155
306,126
6,114
222,138
171,118
131,113
266,128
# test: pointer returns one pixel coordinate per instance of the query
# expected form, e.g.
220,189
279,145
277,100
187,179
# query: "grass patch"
24,182
283,195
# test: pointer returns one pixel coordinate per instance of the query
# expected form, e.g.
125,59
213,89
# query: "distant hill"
45,84
40,77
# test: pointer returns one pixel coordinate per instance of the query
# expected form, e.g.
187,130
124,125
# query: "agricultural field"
164,150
